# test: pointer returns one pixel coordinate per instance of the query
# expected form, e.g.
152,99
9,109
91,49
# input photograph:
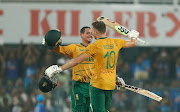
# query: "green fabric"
51,38
80,97
83,44
101,99
45,85
103,38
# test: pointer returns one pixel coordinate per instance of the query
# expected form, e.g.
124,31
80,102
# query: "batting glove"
52,70
120,83
43,41
133,34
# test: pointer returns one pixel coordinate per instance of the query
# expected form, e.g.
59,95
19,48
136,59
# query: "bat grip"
140,40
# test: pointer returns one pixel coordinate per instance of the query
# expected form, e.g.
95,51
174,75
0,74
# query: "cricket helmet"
46,84
52,39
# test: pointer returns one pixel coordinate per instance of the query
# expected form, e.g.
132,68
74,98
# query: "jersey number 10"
109,59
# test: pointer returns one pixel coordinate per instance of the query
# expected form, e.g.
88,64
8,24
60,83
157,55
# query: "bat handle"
142,41
122,30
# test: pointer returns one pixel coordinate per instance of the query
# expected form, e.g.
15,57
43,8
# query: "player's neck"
102,36
85,43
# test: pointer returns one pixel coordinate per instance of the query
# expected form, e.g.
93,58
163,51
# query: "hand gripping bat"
116,26
138,90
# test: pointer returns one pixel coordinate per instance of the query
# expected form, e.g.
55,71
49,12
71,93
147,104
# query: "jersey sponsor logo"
81,49
110,46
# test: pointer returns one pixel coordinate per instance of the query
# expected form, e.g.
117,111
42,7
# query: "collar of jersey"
103,38
83,45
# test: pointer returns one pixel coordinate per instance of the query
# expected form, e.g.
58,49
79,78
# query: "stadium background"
23,59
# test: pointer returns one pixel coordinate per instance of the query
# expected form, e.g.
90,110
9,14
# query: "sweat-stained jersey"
105,54
83,71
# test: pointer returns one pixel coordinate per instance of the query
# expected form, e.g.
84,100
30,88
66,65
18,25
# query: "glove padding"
43,41
121,88
120,84
133,34
52,71
49,80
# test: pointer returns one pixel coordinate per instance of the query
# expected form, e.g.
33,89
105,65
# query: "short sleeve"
121,43
91,50
66,50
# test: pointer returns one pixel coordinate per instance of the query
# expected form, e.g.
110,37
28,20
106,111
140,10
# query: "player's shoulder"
72,45
95,43
118,39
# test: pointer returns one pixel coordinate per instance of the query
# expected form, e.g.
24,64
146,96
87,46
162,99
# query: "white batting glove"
120,83
52,70
43,41
133,34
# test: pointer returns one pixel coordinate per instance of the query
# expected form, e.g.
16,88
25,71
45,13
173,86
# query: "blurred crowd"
153,68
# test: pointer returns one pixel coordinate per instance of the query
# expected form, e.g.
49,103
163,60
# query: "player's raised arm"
75,61
131,43
133,34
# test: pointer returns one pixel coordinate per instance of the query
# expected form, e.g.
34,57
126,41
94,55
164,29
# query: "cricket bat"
120,29
142,91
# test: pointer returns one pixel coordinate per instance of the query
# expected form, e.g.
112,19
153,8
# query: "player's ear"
81,34
96,32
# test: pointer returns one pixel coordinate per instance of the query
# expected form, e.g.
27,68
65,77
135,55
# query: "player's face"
87,35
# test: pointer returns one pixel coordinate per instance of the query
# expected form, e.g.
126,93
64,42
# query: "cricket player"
105,53
80,97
